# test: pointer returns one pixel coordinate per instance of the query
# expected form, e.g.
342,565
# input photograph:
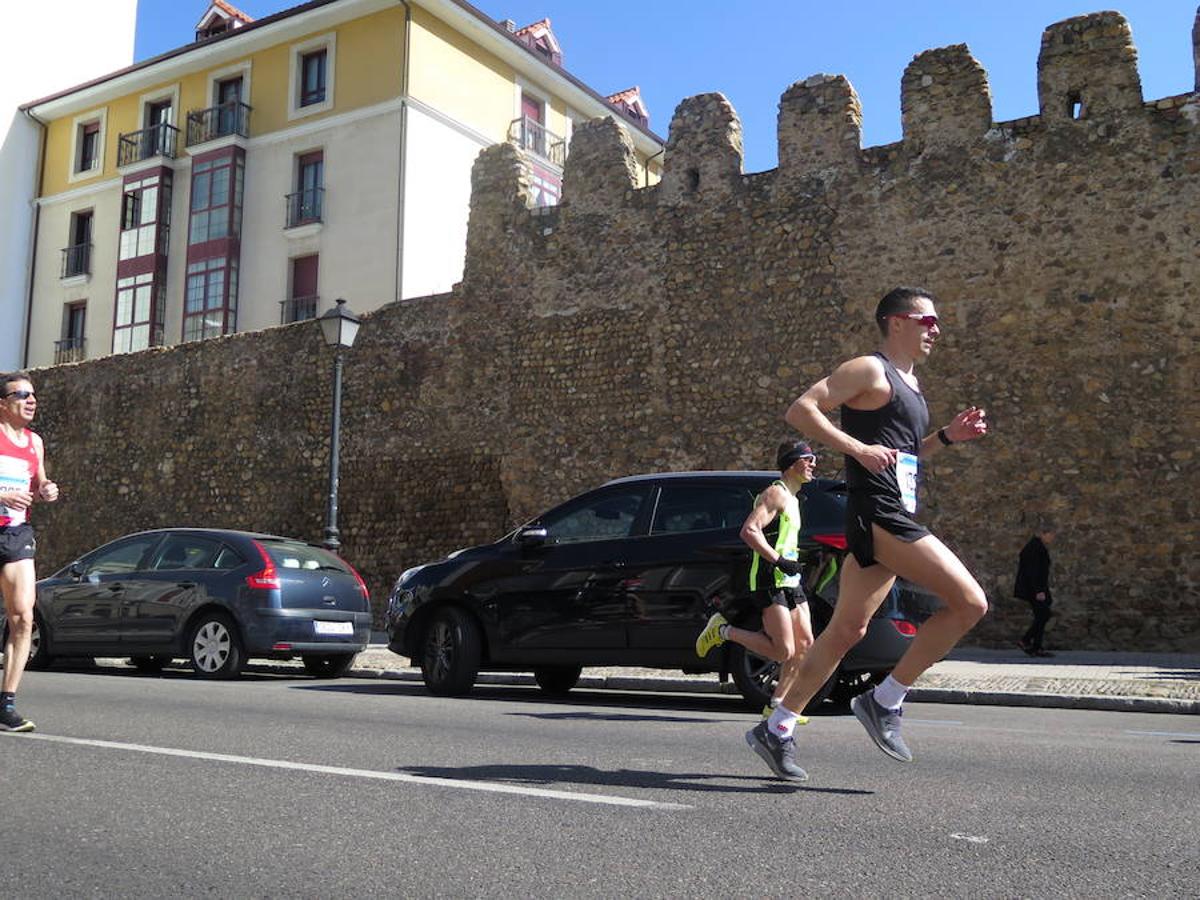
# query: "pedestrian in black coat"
1033,586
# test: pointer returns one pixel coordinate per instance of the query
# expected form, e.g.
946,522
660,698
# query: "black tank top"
901,424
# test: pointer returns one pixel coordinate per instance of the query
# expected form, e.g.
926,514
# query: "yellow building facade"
250,178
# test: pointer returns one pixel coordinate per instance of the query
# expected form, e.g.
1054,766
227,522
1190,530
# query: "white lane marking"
1172,734
969,838
488,786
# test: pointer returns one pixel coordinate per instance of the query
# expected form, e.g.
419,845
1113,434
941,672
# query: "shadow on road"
729,705
544,776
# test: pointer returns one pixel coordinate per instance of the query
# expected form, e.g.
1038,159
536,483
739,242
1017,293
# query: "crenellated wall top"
1088,84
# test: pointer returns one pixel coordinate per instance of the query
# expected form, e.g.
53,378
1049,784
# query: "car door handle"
186,585
116,588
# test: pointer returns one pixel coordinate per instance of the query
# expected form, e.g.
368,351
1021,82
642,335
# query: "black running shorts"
788,598
16,542
864,509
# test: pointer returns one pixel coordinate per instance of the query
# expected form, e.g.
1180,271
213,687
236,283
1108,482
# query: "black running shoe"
11,720
779,754
882,724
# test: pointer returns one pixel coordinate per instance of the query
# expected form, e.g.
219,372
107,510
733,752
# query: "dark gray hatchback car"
213,597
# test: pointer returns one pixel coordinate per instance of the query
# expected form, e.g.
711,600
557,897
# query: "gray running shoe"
882,724
11,720
780,755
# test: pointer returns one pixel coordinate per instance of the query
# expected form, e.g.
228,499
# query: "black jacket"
1033,571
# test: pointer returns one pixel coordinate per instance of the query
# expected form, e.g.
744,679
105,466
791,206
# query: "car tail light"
836,541
265,578
362,585
282,645
906,628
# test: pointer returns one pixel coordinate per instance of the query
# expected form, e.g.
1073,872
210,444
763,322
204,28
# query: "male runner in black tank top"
884,432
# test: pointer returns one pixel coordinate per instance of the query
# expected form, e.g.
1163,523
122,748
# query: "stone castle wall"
636,329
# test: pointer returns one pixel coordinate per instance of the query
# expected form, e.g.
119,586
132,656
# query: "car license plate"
333,627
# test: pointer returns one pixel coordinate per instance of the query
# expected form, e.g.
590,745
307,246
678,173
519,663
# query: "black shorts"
864,509
16,542
788,598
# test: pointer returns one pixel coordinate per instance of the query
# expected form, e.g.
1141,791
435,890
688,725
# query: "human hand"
968,425
788,566
48,491
875,458
16,499
1040,595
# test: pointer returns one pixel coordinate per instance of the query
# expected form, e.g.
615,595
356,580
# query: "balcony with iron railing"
77,260
531,135
297,309
157,140
70,350
205,125
304,207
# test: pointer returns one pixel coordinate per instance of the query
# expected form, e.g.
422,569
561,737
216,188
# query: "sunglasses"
20,395
925,320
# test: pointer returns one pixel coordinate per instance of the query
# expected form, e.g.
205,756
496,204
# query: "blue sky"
752,50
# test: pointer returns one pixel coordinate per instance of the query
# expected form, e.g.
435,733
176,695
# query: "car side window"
227,558
185,551
119,559
606,516
701,507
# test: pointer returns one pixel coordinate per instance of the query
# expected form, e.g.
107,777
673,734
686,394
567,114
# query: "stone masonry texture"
636,329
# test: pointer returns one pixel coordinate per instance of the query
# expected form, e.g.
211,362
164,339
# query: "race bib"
790,581
906,476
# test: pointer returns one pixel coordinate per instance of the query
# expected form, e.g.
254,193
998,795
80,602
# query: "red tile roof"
232,10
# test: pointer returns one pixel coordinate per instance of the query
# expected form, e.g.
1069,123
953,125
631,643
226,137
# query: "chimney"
509,25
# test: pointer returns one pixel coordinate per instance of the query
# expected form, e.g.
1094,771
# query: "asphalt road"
149,786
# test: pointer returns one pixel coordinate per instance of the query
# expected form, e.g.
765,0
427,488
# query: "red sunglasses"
926,320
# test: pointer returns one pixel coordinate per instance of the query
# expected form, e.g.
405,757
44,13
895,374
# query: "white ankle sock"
782,722
889,693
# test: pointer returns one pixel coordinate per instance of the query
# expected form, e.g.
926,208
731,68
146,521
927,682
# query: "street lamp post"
339,326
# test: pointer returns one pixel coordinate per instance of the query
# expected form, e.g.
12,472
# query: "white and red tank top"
18,469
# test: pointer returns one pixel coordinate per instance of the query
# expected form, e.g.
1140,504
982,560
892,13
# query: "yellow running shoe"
711,635
768,709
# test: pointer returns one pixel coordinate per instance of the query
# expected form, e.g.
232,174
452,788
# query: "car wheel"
150,665
214,648
557,681
756,678
450,652
39,644
330,665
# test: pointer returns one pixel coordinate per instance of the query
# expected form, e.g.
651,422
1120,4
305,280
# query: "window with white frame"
311,76
87,145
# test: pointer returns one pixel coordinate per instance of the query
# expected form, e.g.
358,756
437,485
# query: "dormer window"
220,18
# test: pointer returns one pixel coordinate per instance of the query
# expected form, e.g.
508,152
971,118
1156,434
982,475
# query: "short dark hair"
9,377
790,451
899,300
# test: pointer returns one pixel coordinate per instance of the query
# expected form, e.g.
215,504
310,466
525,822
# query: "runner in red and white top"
22,481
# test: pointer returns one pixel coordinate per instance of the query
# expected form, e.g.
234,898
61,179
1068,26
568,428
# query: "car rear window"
302,556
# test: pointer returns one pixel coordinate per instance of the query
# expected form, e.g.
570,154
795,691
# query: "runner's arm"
763,514
968,425
809,413
43,487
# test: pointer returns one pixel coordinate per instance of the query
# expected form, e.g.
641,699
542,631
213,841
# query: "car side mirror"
532,536
75,570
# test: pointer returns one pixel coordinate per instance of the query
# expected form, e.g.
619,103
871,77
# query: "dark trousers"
1041,615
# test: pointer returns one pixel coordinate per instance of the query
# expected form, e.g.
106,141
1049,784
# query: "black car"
627,574
213,597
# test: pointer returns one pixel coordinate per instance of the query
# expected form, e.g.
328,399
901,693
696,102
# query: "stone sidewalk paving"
1144,682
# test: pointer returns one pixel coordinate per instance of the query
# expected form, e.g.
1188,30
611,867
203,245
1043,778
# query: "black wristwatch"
941,433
